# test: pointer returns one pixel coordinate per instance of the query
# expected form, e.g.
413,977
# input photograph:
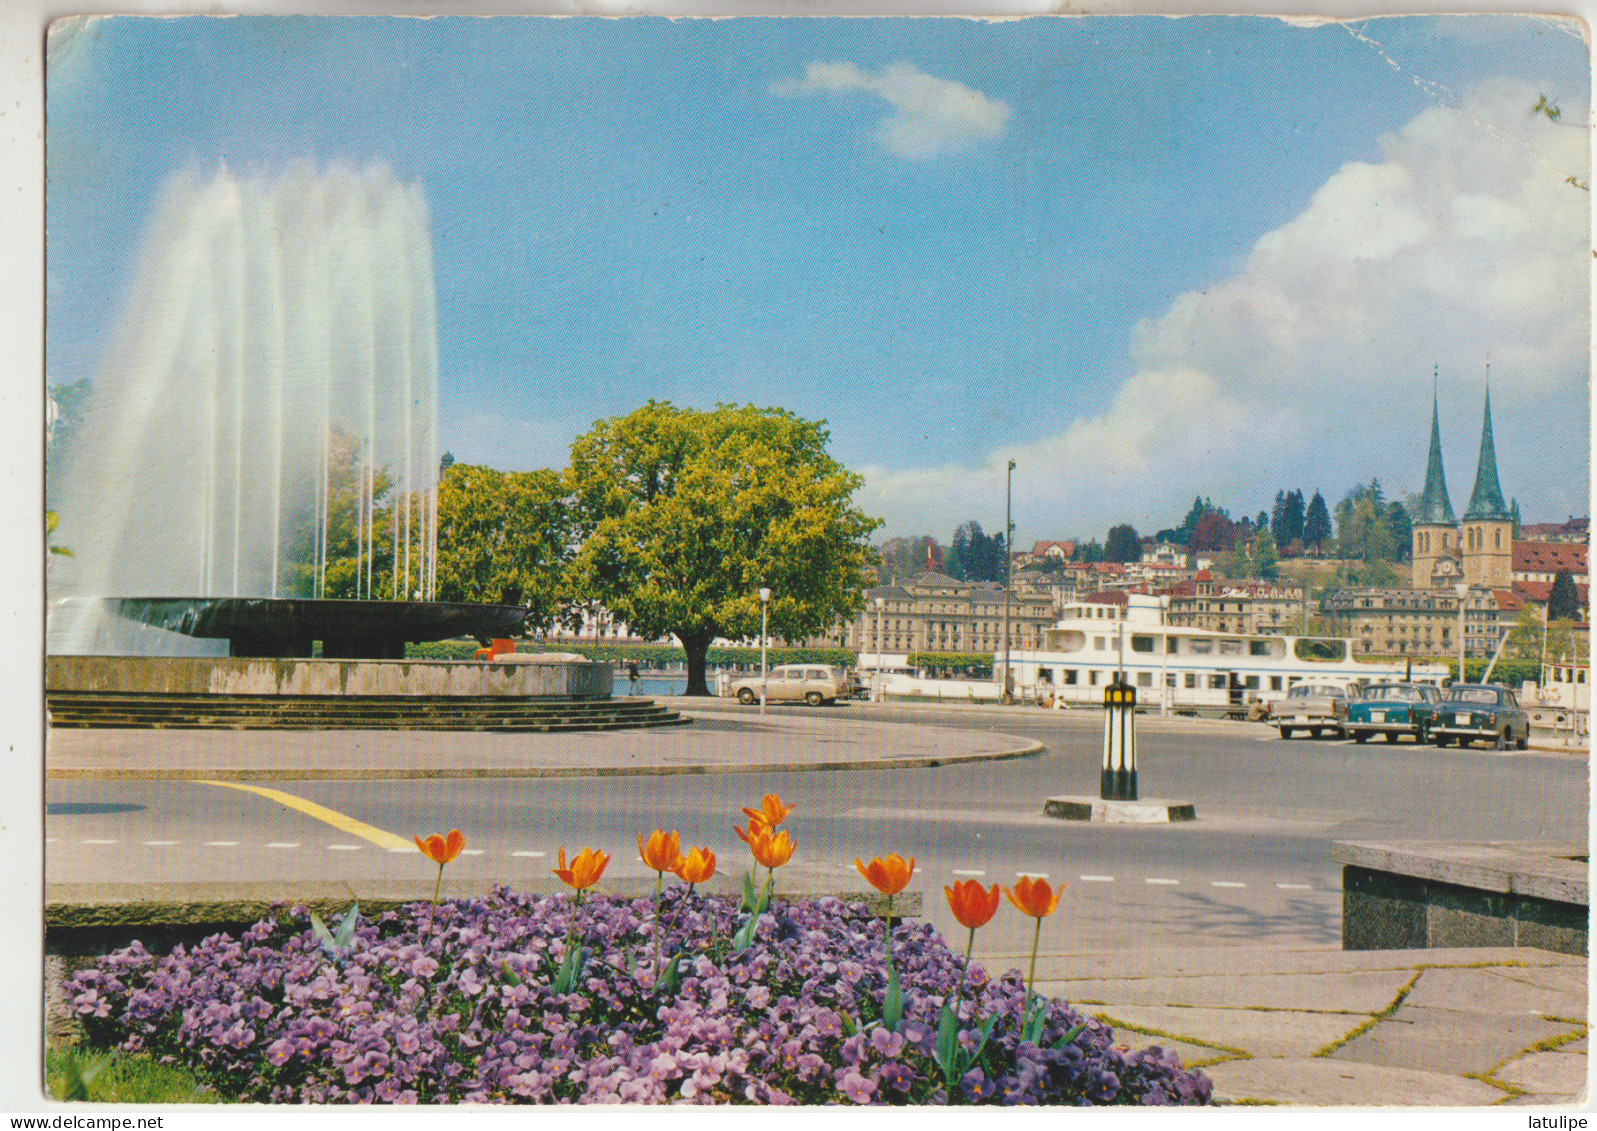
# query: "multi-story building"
1248,607
936,613
1414,622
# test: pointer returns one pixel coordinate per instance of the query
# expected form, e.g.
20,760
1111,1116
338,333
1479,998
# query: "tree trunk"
697,646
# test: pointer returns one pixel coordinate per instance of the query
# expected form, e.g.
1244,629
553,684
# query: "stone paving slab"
1263,1033
1446,1040
1363,993
779,742
1322,1082
1523,962
1465,989
1548,1073
1569,980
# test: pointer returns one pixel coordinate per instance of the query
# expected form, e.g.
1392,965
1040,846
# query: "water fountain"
263,432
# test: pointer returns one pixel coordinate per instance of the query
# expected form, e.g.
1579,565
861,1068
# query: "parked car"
1392,709
812,683
1315,707
1486,711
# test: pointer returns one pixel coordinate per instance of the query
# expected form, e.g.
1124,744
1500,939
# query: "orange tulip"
757,828
771,811
771,849
441,850
972,905
585,870
696,867
1034,897
663,853
887,876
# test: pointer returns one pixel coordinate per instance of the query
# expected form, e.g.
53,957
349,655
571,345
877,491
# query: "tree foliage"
974,556
1563,601
1122,544
505,538
1214,534
1316,524
685,515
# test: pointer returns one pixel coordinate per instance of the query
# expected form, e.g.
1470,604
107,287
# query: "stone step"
252,712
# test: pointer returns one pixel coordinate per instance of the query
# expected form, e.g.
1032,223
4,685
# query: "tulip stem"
433,912
959,990
887,933
659,881
1031,973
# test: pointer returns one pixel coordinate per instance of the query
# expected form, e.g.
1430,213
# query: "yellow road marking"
322,813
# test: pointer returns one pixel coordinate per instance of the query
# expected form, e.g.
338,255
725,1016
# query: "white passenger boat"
1180,669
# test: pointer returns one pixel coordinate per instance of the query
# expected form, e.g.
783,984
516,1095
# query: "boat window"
1170,645
1230,647
1251,683
1217,683
1045,675
1275,683
1320,649
1144,679
1170,679
1201,647
1097,642
1192,680
1142,644
1070,677
1258,647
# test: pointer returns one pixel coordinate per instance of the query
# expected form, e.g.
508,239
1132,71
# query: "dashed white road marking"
1097,879
1295,887
343,848
1034,875
1158,880
159,843
967,872
471,852
221,844
533,854
281,844
96,842
1227,884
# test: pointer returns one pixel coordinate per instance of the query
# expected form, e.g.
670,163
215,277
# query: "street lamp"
878,690
765,600
1009,557
1463,591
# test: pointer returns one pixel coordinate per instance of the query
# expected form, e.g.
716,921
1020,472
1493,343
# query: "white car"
813,683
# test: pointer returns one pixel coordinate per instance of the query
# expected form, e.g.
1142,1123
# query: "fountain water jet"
279,338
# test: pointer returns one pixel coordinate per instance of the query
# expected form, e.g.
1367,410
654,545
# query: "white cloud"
931,115
1311,366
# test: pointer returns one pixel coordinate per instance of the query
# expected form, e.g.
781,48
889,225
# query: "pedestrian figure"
632,678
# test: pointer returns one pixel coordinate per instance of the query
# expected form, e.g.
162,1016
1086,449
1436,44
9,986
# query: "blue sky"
1146,258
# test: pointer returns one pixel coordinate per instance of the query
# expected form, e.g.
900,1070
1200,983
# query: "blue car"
1485,711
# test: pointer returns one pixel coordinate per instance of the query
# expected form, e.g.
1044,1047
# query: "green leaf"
850,1026
570,968
669,977
747,903
510,975
320,929
1070,1037
346,927
1032,1029
946,1051
745,934
893,1002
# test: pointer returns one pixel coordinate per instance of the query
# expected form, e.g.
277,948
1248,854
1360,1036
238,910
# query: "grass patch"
1375,1019
117,1078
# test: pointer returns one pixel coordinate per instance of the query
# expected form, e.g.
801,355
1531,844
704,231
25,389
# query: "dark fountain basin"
348,630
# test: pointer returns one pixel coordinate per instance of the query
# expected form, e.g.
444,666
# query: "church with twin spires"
1479,550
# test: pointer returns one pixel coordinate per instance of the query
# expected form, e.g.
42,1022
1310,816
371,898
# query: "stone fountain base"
532,693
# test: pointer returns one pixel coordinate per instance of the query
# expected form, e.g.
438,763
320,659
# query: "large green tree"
505,538
685,515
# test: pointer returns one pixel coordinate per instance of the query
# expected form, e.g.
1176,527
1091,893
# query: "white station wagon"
813,683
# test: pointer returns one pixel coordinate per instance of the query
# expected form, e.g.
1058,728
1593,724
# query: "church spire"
1435,509
1486,501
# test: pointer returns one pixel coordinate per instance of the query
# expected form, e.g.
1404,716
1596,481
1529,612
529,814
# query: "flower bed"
464,1008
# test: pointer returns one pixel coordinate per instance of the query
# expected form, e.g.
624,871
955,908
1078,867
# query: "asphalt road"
1254,868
